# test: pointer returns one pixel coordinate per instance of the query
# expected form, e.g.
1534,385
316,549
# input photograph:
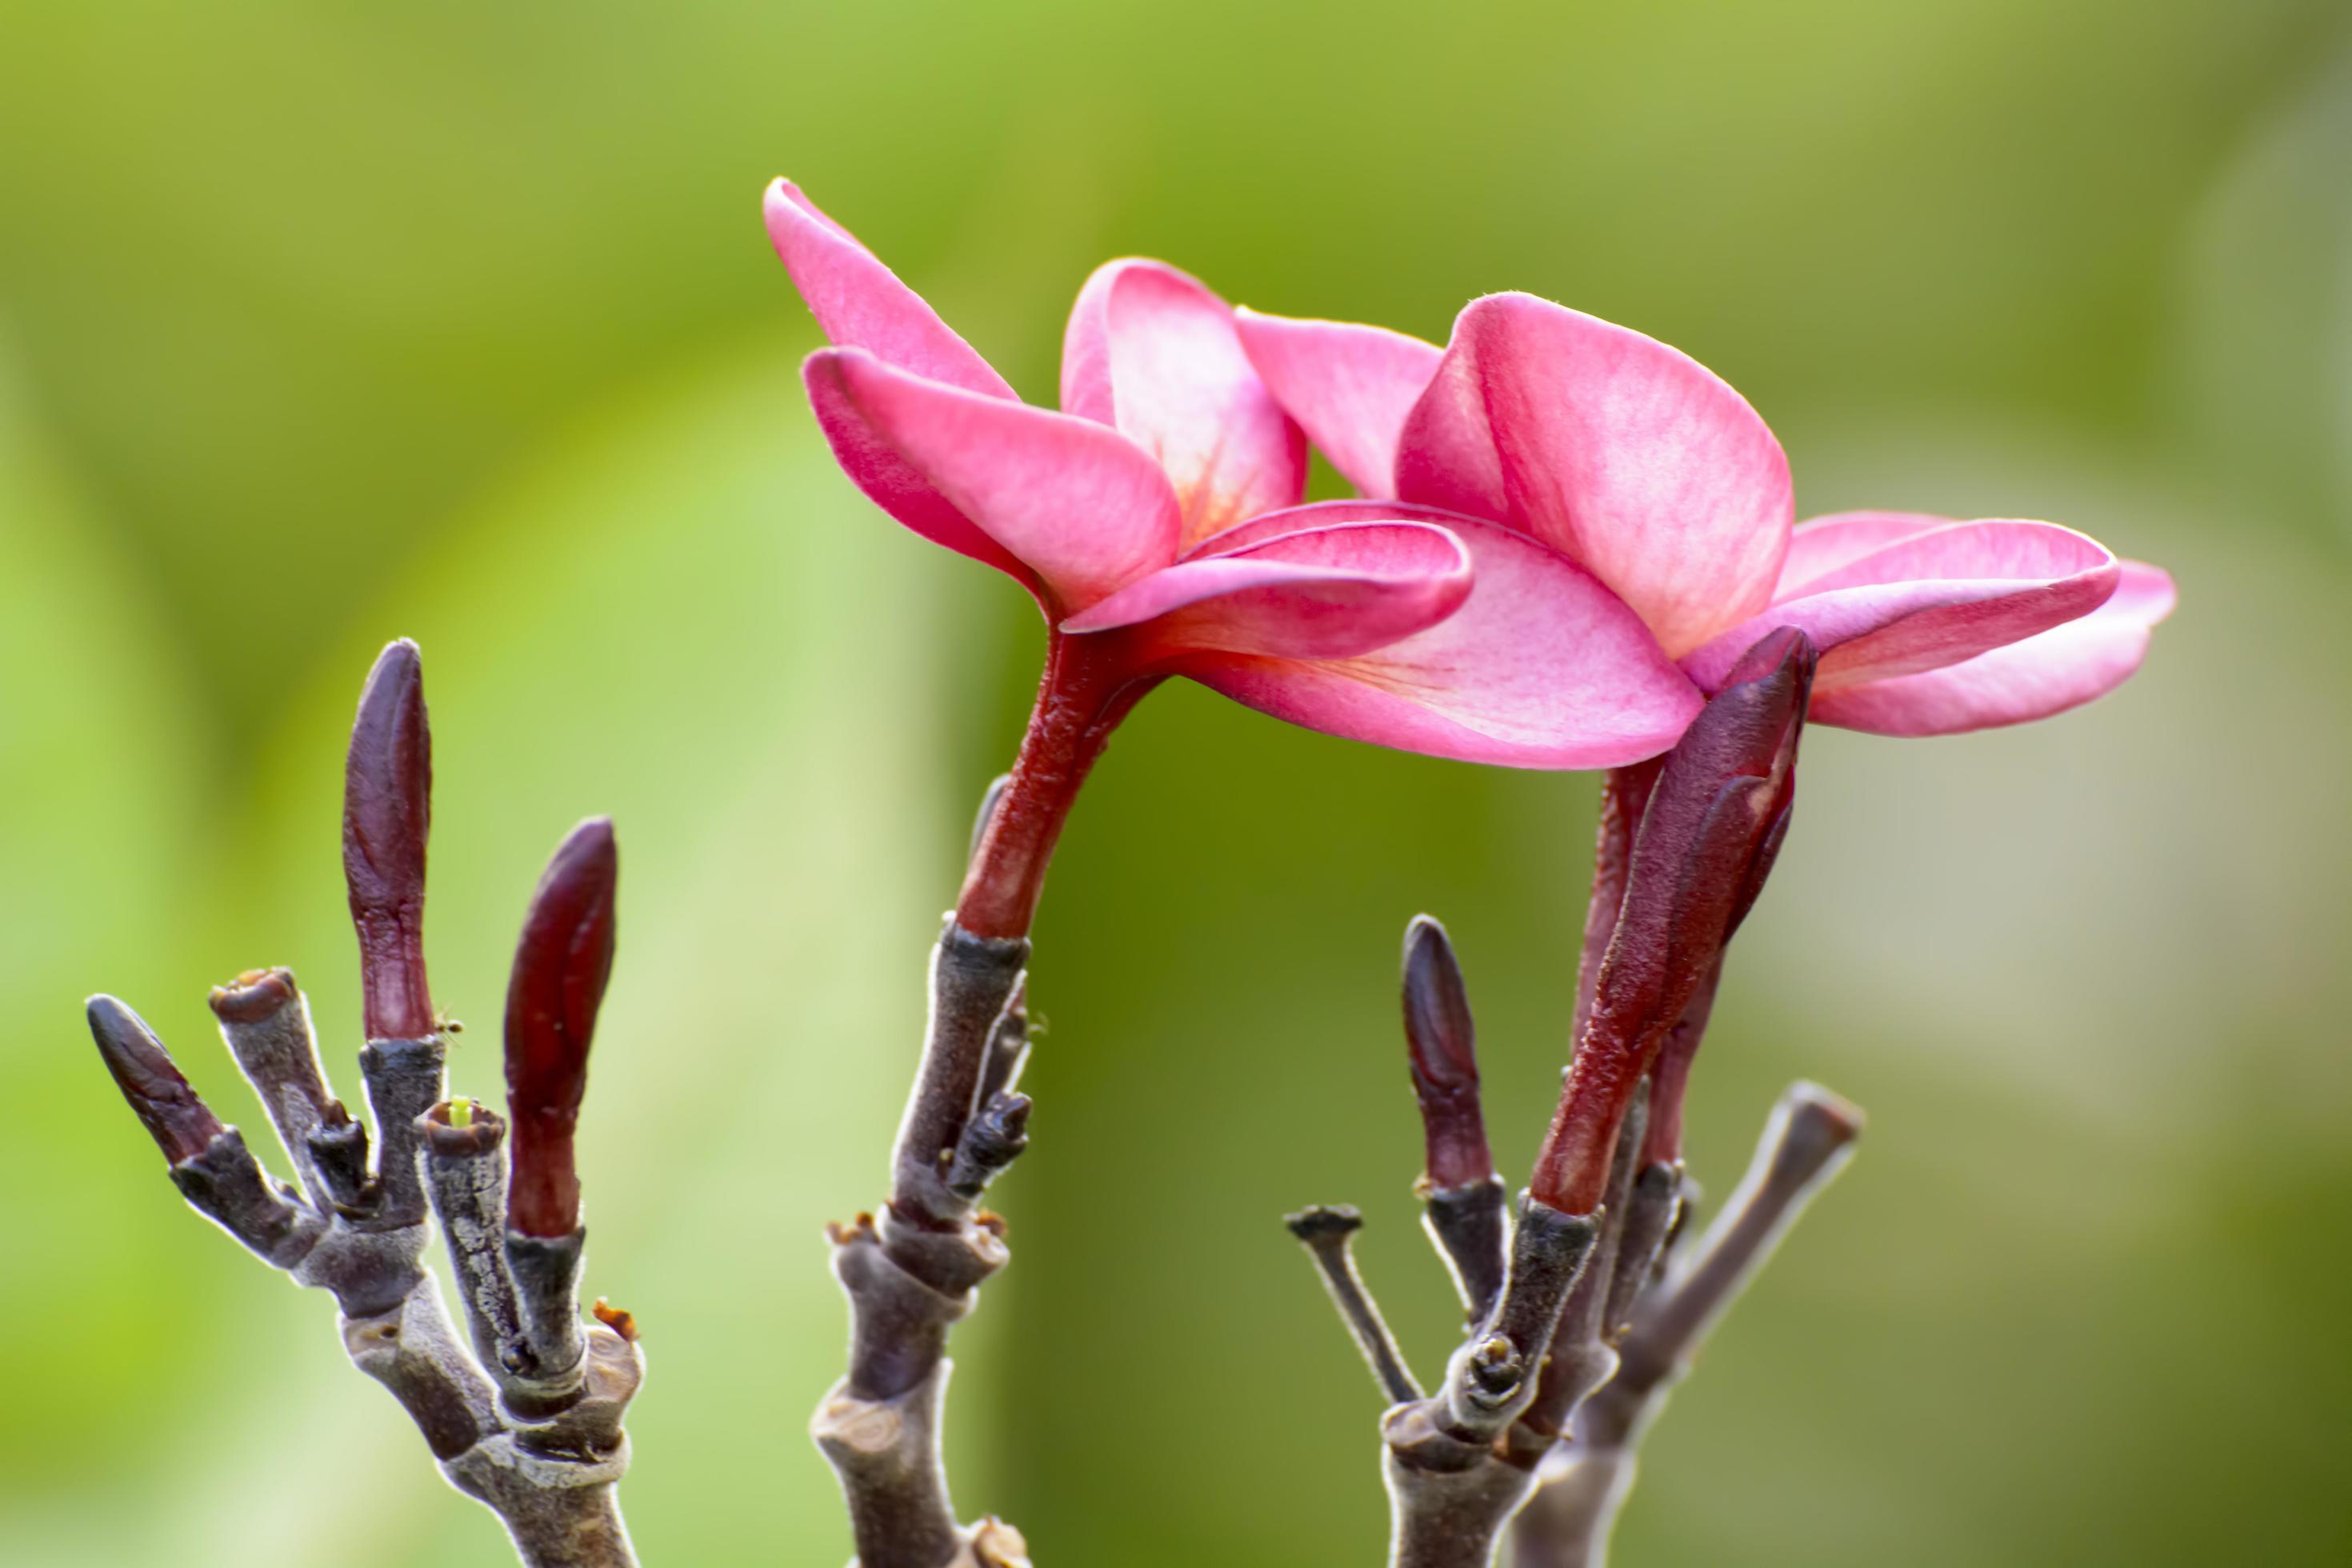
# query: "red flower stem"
1624,796
1089,684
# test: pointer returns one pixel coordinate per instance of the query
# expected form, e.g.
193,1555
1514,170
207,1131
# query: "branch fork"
1578,1311
527,1419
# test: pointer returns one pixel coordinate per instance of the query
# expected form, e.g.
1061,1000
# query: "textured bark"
1452,1480
913,1269
361,1236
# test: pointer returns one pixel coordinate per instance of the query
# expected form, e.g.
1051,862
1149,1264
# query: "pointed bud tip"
562,965
1437,1021
590,851
150,1081
1783,648
400,655
387,817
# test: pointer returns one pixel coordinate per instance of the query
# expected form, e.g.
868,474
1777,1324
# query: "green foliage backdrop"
321,324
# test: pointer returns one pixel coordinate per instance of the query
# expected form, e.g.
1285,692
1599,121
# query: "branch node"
404,1082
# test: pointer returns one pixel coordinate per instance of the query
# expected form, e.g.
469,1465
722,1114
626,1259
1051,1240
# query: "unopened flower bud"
143,1070
1707,837
1437,1028
560,966
387,812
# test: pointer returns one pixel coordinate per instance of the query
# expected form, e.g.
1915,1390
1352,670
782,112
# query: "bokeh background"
321,324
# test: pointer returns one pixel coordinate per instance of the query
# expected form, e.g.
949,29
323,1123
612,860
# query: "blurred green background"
323,323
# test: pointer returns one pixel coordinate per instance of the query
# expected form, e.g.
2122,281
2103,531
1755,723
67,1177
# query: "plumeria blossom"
1638,463
1156,519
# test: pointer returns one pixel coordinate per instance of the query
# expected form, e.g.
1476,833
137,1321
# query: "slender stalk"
1325,1232
1624,797
1089,685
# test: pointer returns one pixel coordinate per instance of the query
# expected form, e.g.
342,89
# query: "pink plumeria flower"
1156,520
1641,463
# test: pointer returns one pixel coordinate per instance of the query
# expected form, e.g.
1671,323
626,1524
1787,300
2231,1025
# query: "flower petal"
1628,456
1821,545
1351,386
2061,668
1540,668
1074,510
860,304
1930,600
1152,352
1321,593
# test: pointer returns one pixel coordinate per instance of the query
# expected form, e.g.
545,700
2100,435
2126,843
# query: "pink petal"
861,304
1320,592
1151,352
1067,506
1351,386
1626,454
2061,668
1540,668
1930,600
1822,544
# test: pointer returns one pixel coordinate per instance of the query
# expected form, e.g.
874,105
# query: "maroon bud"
1712,825
387,810
1444,1059
560,969
180,1123
1663,1143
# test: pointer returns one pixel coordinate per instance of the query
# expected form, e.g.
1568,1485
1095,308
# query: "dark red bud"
181,1124
560,966
1712,825
387,810
1445,1057
1671,1074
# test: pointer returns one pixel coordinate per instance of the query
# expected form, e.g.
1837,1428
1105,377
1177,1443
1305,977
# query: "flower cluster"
1567,538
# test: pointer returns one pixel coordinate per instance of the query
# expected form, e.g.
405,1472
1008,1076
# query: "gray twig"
1324,1232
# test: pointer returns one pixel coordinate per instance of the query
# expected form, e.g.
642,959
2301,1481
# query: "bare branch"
1324,1233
